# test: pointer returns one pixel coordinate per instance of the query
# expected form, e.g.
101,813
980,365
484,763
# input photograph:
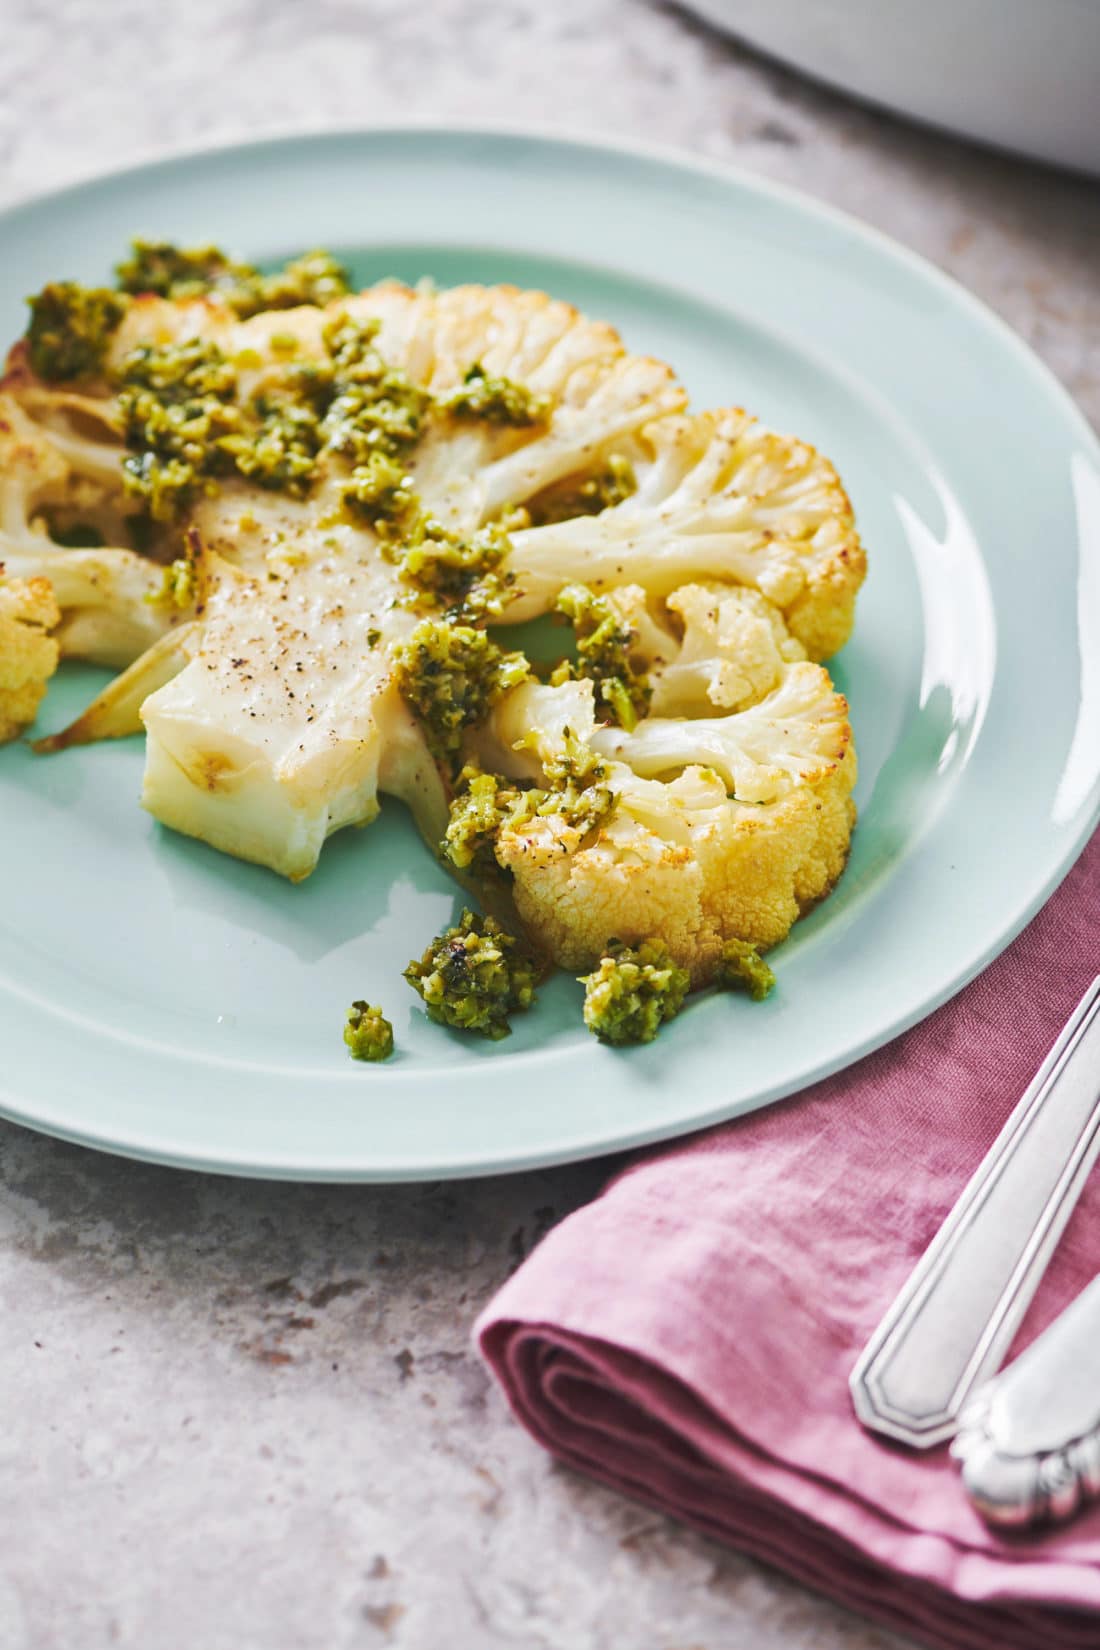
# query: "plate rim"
456,1165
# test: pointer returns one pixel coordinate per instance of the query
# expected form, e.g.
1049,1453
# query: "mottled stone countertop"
240,1414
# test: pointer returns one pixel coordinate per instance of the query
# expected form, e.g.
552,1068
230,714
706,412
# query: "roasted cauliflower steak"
295,531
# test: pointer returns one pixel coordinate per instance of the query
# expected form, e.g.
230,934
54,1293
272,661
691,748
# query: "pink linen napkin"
688,1337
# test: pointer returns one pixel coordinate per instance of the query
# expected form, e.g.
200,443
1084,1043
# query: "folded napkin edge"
910,1557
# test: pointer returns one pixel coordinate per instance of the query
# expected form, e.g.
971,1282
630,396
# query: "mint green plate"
161,1000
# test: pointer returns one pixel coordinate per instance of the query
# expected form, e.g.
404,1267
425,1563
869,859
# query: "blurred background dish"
1025,78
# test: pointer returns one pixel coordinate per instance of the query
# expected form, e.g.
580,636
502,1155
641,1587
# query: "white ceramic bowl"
1023,77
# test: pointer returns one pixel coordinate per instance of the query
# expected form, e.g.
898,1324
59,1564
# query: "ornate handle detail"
1029,1441
954,1319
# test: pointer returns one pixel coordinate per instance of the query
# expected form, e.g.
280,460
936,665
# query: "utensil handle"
1029,1440
954,1319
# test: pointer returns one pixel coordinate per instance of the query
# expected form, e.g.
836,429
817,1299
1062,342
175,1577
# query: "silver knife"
951,1326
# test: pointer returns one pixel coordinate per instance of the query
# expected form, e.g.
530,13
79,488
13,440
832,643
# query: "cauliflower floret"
588,391
681,858
28,653
48,473
719,496
731,651
595,393
794,736
533,727
32,474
